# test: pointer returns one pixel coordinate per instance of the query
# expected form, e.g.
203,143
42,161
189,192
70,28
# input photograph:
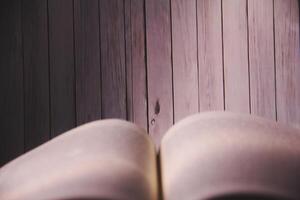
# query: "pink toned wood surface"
11,82
287,48
113,72
136,62
36,73
184,49
87,61
152,62
261,58
159,67
236,55
61,63
211,94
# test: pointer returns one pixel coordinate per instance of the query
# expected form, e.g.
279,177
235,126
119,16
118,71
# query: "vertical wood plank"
36,72
63,114
287,48
185,66
236,56
211,95
128,57
87,60
113,59
261,58
159,67
11,82
136,62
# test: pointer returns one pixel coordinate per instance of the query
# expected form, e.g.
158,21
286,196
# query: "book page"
108,159
231,156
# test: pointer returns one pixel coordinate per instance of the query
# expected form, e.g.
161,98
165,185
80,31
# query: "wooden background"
67,62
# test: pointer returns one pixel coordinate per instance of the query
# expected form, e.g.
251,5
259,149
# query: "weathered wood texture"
87,60
185,70
136,63
113,72
11,81
159,67
36,72
235,43
61,59
153,62
261,58
211,87
287,48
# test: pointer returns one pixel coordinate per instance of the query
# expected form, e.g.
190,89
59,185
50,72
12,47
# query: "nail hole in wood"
157,107
152,121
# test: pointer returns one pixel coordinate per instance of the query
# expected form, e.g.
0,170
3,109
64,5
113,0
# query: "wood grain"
87,60
128,58
261,58
62,77
159,67
184,49
287,48
113,72
235,43
136,63
36,72
211,95
248,61
11,82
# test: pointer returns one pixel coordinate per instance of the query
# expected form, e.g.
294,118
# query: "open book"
206,156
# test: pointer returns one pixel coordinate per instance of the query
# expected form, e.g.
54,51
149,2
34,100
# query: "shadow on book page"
230,156
214,155
108,159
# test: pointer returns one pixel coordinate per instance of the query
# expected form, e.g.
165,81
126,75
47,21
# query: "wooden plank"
36,73
11,82
128,57
136,63
185,66
211,94
235,45
261,58
113,72
159,67
61,51
287,48
87,61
